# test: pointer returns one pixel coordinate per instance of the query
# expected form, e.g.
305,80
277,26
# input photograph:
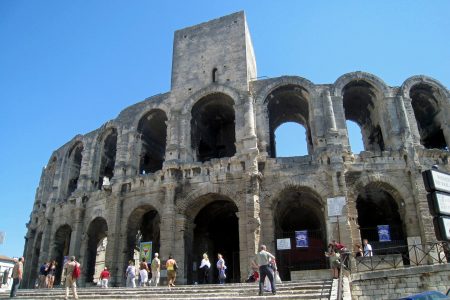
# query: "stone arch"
215,88
361,98
61,247
152,129
276,83
345,79
106,151
430,102
74,159
97,233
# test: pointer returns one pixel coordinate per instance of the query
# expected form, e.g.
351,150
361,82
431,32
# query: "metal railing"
343,265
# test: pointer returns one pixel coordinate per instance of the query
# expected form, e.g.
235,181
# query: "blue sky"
67,67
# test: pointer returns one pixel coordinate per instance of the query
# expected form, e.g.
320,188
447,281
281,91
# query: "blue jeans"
263,272
15,286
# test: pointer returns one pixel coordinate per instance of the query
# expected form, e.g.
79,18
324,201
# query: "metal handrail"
340,288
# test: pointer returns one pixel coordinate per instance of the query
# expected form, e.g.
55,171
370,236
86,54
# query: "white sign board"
445,228
283,244
335,206
437,181
442,203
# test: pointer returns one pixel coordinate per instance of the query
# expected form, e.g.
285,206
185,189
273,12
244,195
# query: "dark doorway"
61,249
300,210
213,128
143,226
108,156
95,256
216,231
34,263
75,158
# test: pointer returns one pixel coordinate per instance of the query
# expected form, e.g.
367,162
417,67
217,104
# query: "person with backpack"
72,271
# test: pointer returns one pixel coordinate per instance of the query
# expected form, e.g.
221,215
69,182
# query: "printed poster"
301,239
384,233
146,250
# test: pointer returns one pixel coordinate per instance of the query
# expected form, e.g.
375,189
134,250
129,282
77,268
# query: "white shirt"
205,263
368,250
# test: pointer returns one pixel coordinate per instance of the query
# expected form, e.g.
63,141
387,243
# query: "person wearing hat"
155,268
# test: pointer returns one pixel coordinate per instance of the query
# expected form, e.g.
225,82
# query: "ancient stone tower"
195,169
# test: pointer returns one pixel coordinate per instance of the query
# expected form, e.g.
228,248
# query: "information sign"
283,244
335,206
301,239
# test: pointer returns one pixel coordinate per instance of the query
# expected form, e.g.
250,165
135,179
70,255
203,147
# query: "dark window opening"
359,98
426,110
214,74
96,249
213,128
75,157
108,157
153,130
288,104
355,136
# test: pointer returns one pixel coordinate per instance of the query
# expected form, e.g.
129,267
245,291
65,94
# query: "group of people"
47,273
145,268
338,254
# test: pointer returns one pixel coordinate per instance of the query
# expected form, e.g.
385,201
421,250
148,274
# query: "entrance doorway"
216,231
300,210
96,249
61,249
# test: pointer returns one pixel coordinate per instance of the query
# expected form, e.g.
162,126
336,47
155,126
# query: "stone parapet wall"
393,284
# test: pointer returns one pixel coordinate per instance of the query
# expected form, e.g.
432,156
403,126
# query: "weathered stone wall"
253,179
394,284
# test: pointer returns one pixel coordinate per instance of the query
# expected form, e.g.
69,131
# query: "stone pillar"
404,121
329,112
182,233
167,228
29,255
446,131
77,229
117,243
173,136
84,179
248,136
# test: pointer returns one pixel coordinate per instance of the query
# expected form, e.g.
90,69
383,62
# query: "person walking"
17,274
156,269
104,277
367,248
43,271
171,266
51,272
143,271
131,274
72,271
205,266
262,260
221,267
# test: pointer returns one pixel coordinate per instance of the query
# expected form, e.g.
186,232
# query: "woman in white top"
205,265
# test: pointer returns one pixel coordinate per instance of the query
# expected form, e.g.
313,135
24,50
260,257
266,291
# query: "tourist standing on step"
263,260
104,277
205,266
222,268
51,272
17,274
156,270
43,271
72,271
171,266
143,271
131,274
367,248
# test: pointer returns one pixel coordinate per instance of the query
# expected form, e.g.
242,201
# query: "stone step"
288,290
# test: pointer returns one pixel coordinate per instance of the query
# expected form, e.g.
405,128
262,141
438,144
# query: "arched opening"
35,260
355,137
424,100
213,128
108,157
359,100
75,157
299,212
214,75
288,103
96,249
290,140
143,226
153,130
61,246
216,230
377,206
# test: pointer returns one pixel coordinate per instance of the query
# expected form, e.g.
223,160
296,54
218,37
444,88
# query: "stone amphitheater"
195,169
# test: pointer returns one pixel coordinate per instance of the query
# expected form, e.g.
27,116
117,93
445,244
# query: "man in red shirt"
104,277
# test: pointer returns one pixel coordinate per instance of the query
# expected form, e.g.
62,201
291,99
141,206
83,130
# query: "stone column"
116,247
248,136
404,121
167,228
84,179
173,136
182,233
77,229
329,112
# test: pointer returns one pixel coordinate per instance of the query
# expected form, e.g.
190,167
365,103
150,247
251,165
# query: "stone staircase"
303,289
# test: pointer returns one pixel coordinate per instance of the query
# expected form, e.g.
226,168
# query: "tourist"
72,271
334,261
276,276
367,248
358,250
143,272
205,266
171,266
51,272
221,267
131,274
17,274
262,261
104,277
43,270
155,268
